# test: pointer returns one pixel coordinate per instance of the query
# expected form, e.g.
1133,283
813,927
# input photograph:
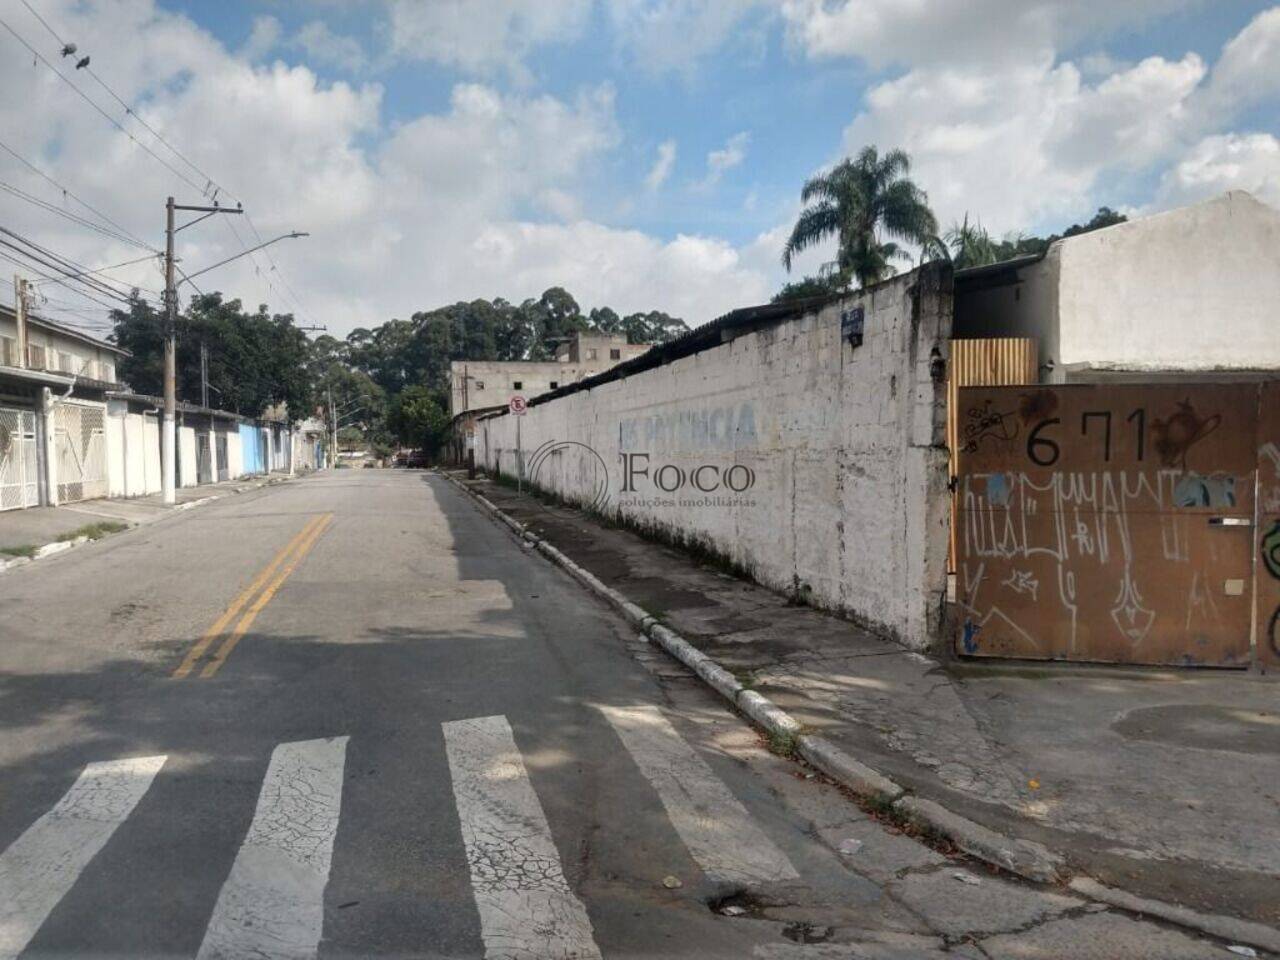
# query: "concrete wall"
235,453
133,452
187,453
838,451
1194,289
250,449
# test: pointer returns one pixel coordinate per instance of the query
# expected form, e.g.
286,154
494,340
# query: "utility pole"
20,315
168,429
204,374
168,434
333,430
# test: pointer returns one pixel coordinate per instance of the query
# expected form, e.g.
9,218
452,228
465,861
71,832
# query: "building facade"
53,413
482,385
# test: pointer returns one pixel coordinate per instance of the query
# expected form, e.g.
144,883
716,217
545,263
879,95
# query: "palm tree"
968,245
870,206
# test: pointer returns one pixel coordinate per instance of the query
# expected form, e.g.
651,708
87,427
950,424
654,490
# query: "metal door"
204,469
19,467
220,449
1107,522
1268,557
81,445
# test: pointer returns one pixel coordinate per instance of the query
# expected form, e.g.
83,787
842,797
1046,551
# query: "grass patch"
783,744
26,550
94,531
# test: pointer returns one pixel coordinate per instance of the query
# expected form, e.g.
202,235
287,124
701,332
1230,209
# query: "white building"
486,384
53,424
1192,290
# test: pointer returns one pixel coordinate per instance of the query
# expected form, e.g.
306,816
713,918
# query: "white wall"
1194,289
849,500
235,453
187,451
133,452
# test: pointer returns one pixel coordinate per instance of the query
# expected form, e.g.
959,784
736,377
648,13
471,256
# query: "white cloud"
401,219
979,31
726,158
1024,141
662,166
263,37
1248,71
675,35
1224,162
325,47
482,36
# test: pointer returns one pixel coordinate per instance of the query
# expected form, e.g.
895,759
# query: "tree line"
389,383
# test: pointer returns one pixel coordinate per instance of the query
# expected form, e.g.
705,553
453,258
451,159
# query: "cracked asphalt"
425,741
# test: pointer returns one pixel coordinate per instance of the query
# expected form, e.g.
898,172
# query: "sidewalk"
35,527
1165,783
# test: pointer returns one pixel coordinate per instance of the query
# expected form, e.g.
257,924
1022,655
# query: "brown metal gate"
1108,522
1268,558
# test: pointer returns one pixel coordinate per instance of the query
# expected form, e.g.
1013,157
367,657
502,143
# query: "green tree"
803,289
870,207
419,418
256,359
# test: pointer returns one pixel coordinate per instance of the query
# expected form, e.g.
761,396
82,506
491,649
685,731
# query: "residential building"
486,384
53,412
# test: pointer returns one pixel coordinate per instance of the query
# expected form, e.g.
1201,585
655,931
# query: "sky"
643,154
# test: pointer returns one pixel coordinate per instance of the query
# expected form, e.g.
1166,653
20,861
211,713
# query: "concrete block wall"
839,452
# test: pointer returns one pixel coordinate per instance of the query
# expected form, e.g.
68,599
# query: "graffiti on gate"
1081,524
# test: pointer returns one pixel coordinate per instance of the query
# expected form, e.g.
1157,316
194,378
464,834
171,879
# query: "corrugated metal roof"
691,342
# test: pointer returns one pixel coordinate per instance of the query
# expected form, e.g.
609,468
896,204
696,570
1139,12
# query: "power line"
128,109
84,275
39,273
117,266
210,182
93,103
50,261
123,233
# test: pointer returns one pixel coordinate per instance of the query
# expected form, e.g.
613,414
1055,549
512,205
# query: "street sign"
518,405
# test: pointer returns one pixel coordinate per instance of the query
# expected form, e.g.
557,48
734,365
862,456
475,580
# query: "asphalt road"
351,716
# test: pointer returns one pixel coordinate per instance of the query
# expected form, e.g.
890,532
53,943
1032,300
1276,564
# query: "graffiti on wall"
726,427
1085,529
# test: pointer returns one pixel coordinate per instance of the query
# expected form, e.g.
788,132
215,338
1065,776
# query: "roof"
35,320
37,376
995,274
693,341
182,406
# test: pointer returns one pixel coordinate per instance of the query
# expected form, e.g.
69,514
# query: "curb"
61,546
1025,858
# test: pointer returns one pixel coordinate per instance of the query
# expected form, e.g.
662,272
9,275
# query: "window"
517,384
8,352
479,384
554,384
35,356
66,362
615,353
592,354
108,371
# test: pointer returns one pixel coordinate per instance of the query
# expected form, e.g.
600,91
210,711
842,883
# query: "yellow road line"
264,598
212,634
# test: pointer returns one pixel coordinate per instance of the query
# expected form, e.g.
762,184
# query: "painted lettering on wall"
697,430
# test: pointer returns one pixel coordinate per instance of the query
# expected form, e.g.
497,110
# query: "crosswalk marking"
712,823
38,868
527,910
272,904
